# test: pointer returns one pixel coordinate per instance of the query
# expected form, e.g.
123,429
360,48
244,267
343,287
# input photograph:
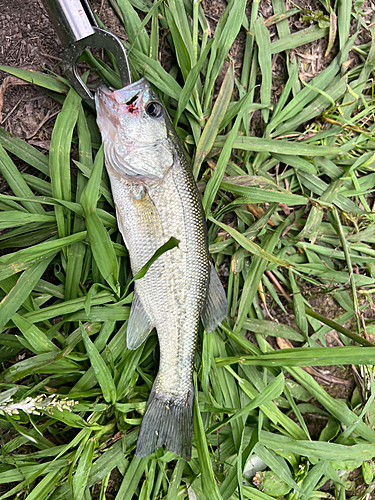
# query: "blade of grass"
60,158
209,485
249,245
171,243
17,183
344,9
190,83
175,480
254,274
226,31
277,464
214,182
22,259
263,40
259,195
333,324
68,307
20,292
102,372
299,307
137,35
299,38
184,49
154,36
271,328
319,449
24,151
335,221
211,128
77,252
313,356
257,144
155,73
37,78
100,241
131,479
81,475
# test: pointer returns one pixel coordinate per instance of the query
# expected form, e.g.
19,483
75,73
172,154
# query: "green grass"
72,401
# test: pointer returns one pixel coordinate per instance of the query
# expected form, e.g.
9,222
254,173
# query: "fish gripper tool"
75,23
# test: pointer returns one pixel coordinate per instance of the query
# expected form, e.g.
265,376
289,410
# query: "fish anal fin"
139,325
215,308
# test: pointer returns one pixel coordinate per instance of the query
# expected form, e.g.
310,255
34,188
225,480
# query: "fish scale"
156,198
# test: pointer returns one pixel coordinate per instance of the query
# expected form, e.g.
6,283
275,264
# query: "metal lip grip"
77,28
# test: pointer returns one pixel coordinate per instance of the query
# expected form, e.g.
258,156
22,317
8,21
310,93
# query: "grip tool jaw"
77,28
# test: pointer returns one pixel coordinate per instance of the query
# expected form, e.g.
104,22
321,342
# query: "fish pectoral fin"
145,220
147,217
215,308
139,326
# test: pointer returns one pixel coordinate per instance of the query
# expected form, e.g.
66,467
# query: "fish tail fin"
167,423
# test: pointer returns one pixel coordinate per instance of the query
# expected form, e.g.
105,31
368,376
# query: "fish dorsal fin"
139,326
215,308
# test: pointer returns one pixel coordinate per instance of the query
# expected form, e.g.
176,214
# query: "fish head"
134,129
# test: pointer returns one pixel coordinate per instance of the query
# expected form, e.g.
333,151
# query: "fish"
156,198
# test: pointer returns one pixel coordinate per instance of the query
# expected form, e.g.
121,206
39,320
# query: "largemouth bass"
156,197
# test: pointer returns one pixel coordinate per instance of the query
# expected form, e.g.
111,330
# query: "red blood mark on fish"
132,108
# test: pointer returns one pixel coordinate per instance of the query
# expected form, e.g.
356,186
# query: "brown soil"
28,40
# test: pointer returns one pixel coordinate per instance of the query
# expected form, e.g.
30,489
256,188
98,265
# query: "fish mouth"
126,96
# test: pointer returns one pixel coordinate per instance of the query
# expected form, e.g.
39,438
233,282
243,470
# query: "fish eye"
154,109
